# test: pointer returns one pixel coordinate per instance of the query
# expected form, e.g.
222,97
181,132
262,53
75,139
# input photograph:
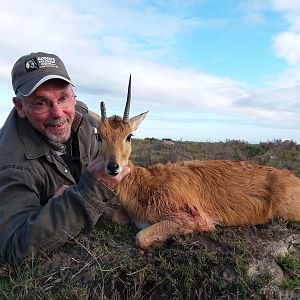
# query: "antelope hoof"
145,243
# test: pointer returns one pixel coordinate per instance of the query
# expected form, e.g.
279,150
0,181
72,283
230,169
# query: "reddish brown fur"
193,196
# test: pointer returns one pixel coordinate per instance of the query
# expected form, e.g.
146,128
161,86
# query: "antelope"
190,196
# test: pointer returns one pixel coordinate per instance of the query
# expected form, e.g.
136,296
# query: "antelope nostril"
113,168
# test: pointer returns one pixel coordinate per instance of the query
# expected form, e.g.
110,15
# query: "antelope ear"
136,121
94,119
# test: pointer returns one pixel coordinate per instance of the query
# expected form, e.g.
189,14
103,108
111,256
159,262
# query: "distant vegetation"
277,153
255,262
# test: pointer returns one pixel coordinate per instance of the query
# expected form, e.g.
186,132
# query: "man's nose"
56,110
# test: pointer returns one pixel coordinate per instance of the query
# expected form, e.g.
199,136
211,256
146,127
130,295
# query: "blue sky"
207,70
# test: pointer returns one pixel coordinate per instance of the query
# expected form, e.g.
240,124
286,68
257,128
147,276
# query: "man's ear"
19,107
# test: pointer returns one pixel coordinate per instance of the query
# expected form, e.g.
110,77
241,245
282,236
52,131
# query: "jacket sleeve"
26,226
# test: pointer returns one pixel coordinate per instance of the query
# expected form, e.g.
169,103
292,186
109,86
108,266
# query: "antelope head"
114,135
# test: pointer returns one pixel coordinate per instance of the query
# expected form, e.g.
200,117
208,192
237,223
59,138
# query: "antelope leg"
159,232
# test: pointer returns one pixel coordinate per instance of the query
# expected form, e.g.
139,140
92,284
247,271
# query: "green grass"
106,264
291,268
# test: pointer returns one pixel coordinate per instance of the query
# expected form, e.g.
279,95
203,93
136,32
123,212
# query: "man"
52,185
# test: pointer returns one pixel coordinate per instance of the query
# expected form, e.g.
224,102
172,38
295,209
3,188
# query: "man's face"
55,123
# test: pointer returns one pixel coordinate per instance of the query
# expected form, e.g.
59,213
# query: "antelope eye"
128,139
98,138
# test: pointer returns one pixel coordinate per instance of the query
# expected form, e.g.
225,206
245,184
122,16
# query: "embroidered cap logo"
31,65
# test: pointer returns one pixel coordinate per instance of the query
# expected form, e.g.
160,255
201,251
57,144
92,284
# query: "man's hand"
97,168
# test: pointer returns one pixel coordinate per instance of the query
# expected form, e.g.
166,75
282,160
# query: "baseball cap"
31,70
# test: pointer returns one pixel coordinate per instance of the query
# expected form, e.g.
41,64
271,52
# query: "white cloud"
287,45
158,86
285,41
289,6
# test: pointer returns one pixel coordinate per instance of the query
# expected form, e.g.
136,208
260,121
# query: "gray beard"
56,138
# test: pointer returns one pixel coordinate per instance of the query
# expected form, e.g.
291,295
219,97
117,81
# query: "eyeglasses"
43,106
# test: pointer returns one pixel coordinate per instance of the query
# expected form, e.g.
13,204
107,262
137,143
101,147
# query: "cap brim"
29,87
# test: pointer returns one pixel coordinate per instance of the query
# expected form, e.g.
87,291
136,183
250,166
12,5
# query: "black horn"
103,111
127,107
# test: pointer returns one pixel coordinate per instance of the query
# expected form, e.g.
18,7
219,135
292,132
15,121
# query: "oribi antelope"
191,196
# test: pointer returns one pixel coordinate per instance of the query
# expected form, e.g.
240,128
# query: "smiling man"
52,119
52,182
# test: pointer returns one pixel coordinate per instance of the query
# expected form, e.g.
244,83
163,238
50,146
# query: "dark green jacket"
30,173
